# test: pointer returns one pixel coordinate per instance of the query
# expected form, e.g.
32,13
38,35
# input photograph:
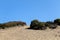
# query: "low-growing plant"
12,24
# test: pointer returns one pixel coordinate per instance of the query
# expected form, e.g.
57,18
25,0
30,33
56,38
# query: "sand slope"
21,33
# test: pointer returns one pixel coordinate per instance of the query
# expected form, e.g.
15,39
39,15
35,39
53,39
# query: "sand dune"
21,33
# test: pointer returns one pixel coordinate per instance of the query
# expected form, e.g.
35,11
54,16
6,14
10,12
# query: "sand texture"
21,33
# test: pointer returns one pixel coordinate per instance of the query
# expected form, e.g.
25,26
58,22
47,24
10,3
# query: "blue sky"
27,10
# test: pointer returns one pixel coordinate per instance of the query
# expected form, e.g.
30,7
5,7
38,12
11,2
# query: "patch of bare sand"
21,33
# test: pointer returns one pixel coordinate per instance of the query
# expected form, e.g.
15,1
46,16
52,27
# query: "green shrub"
2,26
34,24
42,26
48,23
14,23
11,24
57,21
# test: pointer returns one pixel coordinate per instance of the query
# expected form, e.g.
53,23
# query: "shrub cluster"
35,24
12,24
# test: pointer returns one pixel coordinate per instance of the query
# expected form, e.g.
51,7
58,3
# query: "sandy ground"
21,33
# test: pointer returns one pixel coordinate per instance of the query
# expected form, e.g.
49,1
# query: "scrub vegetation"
11,24
38,25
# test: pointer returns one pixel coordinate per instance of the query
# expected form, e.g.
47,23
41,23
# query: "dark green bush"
57,21
35,24
48,23
2,26
42,26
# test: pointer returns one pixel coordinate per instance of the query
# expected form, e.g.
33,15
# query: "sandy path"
20,33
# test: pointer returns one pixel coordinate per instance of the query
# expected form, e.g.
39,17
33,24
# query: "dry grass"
21,33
